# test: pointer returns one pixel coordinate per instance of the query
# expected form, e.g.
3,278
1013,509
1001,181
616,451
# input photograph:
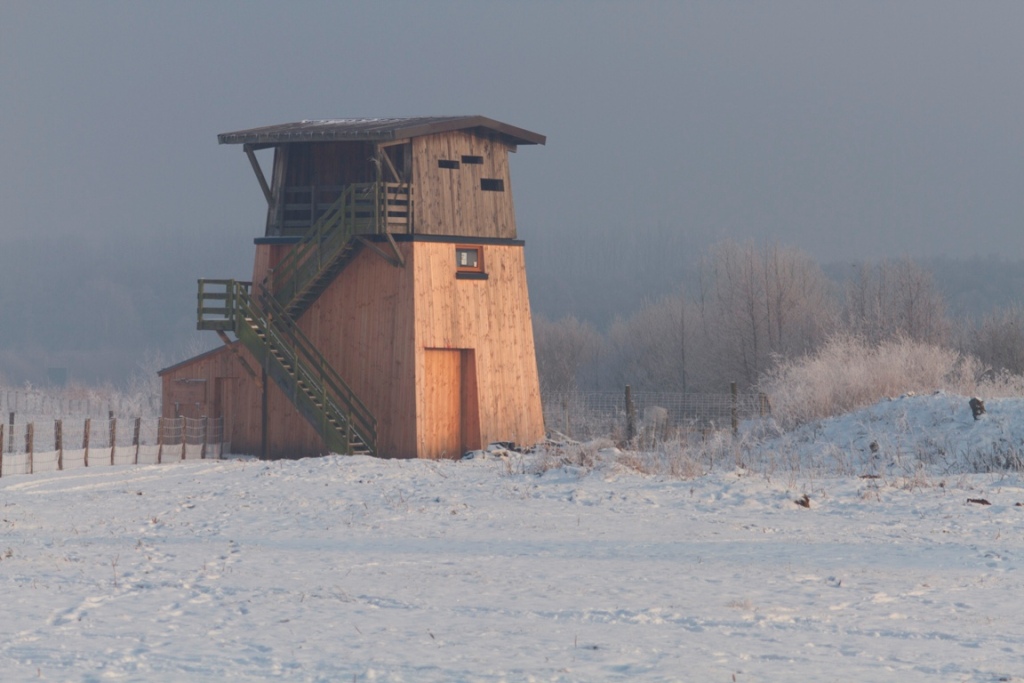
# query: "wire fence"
56,445
51,431
623,415
39,404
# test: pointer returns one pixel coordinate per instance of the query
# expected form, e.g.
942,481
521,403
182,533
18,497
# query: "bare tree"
564,348
758,305
999,340
643,350
895,299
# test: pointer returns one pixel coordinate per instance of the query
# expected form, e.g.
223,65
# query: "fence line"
586,415
96,436
39,404
49,446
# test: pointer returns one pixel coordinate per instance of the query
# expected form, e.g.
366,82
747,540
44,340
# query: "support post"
10,434
1,449
264,413
735,409
630,414
30,437
348,433
135,439
113,437
85,440
565,413
160,428
206,436
58,441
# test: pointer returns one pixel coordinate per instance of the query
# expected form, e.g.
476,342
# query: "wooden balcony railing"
376,207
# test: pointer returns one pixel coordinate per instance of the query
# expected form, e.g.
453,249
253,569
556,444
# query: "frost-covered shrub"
847,373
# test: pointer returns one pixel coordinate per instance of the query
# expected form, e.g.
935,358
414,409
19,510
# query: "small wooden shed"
388,310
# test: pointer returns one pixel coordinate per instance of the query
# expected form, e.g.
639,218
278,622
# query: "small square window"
469,259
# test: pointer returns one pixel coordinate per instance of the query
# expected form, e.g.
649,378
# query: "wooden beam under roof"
250,152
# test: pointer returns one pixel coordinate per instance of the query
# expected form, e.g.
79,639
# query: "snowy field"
510,567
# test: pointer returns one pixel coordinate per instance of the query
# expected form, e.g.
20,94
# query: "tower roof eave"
376,129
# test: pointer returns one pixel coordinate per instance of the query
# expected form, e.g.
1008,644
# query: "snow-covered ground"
509,567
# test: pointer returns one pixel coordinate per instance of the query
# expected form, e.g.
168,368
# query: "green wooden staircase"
267,327
267,330
324,251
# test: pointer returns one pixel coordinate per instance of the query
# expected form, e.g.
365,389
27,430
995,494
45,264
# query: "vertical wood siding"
492,318
362,323
450,201
267,257
240,395
417,346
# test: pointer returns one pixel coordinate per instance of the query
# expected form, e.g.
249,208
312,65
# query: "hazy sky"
854,130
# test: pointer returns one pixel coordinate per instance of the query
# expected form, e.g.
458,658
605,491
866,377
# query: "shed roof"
376,130
193,359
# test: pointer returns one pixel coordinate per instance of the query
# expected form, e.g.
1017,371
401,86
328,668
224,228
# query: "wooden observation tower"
388,310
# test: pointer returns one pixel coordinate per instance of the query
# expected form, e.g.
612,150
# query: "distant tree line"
750,308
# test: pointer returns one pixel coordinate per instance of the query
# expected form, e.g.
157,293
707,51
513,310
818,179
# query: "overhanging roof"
376,130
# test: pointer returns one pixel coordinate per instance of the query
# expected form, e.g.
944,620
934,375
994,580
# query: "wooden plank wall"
289,435
241,407
316,164
492,318
328,163
376,324
450,201
362,323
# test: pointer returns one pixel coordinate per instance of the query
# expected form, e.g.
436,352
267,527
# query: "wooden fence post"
565,412
58,441
135,439
630,415
206,436
1,449
30,435
735,409
160,439
10,435
184,435
113,437
85,441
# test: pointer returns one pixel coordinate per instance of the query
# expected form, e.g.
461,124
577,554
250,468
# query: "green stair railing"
292,361
315,253
268,329
361,208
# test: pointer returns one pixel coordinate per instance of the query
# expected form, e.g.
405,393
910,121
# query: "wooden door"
441,425
450,417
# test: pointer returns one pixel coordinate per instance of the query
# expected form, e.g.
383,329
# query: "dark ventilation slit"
472,160
492,184
447,163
